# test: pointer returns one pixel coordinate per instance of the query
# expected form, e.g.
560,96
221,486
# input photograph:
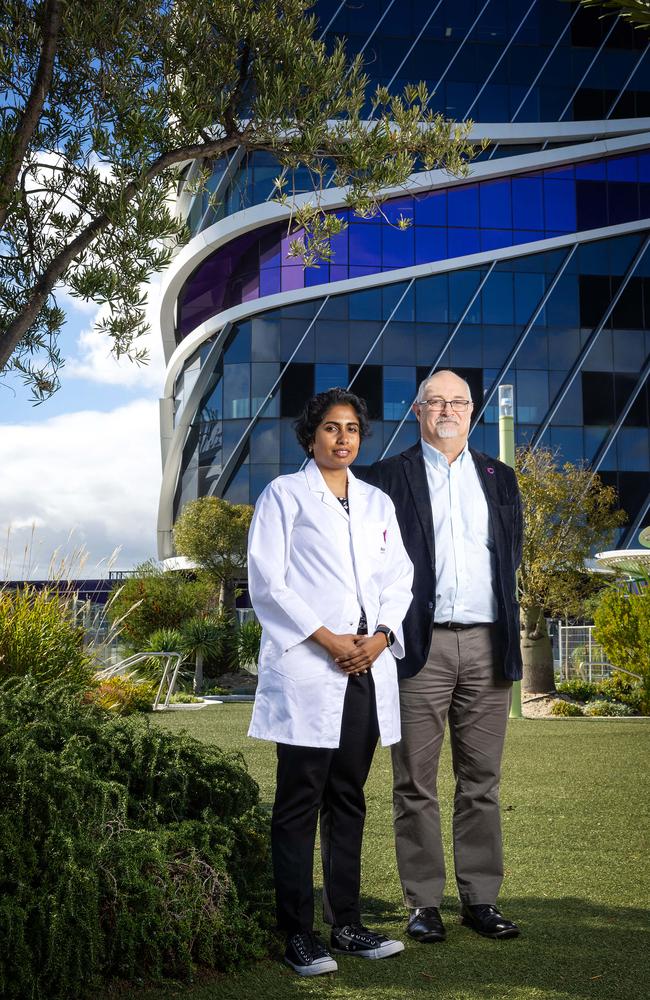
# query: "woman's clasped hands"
354,654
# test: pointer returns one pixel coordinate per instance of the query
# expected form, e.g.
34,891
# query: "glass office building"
534,270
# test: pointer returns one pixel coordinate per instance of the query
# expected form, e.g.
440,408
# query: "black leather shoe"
486,920
425,925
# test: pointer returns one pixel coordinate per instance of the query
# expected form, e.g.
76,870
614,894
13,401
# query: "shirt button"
430,604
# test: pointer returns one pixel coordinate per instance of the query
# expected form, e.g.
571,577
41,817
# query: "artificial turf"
575,815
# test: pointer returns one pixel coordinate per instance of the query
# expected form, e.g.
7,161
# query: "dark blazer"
404,478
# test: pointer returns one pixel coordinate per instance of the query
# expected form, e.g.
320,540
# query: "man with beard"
460,517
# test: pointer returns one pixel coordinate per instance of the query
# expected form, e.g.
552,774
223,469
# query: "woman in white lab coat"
330,582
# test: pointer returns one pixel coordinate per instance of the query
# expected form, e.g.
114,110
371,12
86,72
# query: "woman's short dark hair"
316,408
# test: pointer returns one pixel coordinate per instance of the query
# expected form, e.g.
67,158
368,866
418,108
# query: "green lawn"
575,807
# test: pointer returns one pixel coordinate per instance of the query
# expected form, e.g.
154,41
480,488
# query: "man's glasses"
438,404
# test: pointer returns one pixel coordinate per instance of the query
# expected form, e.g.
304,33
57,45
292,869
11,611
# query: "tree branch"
46,282
34,107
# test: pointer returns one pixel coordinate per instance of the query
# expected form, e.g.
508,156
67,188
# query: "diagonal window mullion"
524,334
502,56
599,457
636,524
462,45
413,45
586,350
628,81
382,331
586,73
445,347
539,73
229,466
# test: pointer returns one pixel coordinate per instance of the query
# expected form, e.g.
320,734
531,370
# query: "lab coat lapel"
317,484
358,497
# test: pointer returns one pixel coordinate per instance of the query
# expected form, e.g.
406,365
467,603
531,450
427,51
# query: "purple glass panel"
317,275
365,245
431,209
463,241
559,205
462,206
397,248
527,204
493,239
644,166
339,272
592,171
358,272
292,278
270,281
622,168
430,244
398,208
495,204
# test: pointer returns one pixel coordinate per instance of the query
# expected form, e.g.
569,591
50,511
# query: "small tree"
214,534
568,513
201,639
155,599
622,621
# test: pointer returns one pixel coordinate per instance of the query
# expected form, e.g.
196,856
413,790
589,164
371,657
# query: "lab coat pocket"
304,661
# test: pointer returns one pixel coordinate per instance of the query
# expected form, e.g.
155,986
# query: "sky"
80,473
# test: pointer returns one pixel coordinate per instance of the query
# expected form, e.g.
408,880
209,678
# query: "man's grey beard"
448,429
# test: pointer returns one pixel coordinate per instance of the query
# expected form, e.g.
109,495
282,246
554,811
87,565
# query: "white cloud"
86,479
95,362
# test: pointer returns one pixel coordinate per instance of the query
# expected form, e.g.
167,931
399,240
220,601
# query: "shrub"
123,695
578,689
155,599
124,850
622,689
601,707
39,637
568,708
183,698
248,644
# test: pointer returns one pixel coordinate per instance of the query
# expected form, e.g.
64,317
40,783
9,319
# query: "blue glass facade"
567,323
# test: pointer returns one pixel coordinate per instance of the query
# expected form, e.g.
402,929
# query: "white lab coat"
309,564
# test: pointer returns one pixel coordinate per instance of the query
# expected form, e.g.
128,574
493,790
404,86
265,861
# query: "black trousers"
312,780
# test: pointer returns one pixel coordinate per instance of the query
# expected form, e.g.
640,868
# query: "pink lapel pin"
490,469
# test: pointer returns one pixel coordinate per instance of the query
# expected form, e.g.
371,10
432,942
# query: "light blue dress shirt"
463,539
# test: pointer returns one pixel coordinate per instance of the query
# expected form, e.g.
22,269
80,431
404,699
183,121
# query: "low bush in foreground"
619,688
600,707
122,695
39,636
124,850
568,708
578,688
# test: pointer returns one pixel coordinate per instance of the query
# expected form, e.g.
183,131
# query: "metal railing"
169,675
607,669
580,654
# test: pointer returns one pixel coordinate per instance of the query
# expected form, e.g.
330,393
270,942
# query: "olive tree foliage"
103,104
635,12
568,514
622,621
214,534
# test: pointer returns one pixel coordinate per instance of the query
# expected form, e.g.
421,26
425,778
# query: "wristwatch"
390,635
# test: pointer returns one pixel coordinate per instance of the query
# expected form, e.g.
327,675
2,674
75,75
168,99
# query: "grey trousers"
460,681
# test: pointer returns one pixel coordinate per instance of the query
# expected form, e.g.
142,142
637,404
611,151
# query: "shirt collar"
438,460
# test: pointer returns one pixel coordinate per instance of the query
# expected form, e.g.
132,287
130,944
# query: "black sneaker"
307,955
354,939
